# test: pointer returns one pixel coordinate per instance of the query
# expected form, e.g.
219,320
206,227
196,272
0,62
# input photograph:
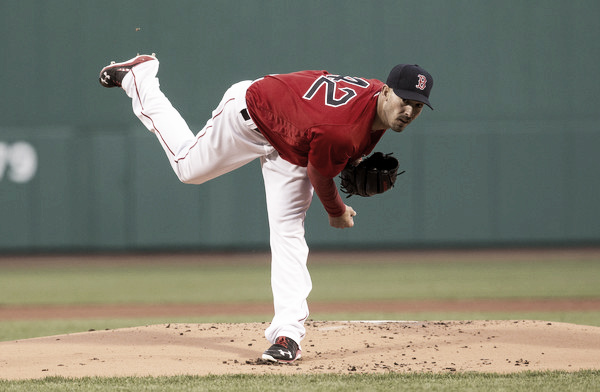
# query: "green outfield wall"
509,156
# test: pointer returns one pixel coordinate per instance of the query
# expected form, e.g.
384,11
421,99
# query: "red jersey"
316,117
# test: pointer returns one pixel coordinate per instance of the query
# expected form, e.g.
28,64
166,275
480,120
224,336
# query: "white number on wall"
18,162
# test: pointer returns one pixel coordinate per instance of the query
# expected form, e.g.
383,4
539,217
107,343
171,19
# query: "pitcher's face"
397,113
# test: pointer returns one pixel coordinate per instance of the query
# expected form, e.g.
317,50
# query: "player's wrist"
335,210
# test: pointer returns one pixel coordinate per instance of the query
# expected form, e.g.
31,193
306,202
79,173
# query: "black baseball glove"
373,175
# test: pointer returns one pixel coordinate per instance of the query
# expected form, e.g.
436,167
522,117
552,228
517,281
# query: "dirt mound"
330,347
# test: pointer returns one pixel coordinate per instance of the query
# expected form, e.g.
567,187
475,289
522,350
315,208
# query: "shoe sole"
269,358
129,63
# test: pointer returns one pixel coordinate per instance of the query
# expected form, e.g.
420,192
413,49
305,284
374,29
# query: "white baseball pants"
228,142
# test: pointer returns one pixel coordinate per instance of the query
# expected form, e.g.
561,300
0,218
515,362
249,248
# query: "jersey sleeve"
327,192
330,151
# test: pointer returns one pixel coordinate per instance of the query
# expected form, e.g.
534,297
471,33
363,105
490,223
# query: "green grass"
189,283
143,284
458,280
520,382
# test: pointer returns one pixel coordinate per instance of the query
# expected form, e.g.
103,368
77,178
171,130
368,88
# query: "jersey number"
332,95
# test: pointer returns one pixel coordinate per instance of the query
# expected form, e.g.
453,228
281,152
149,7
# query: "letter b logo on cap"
422,82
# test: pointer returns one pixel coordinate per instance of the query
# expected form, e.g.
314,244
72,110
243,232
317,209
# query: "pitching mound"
330,347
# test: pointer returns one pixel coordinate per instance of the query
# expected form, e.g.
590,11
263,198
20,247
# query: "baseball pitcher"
305,128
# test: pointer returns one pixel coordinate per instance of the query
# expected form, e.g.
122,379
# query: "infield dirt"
331,347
